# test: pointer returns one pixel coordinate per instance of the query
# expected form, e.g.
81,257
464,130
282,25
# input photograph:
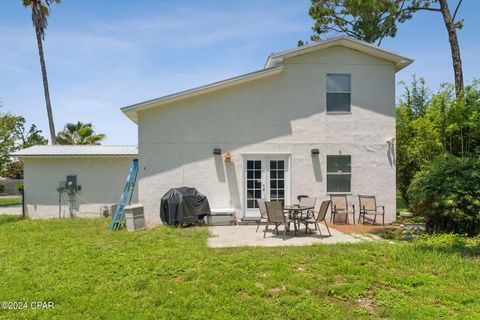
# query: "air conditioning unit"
134,217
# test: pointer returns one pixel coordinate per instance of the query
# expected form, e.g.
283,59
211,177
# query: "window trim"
341,92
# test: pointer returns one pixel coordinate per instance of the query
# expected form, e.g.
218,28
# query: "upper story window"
338,92
339,173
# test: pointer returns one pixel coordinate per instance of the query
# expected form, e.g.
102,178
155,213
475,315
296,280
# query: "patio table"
296,210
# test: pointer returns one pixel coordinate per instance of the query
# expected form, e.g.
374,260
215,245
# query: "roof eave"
23,156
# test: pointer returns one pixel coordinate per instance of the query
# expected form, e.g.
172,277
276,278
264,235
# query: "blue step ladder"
125,198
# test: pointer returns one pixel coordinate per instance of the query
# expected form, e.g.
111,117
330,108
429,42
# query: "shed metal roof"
77,150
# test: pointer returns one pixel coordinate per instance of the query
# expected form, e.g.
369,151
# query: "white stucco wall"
102,180
281,114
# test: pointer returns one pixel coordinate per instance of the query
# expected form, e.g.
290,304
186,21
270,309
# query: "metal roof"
77,150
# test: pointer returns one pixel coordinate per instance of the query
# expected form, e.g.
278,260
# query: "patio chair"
305,201
263,212
368,206
340,206
276,216
322,212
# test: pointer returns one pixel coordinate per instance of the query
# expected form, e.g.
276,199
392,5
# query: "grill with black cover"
183,206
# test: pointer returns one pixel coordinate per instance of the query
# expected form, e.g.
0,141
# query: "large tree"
373,20
40,13
79,133
14,136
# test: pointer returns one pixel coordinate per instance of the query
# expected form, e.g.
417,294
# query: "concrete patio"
247,236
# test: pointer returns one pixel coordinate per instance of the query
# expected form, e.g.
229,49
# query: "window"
339,174
338,92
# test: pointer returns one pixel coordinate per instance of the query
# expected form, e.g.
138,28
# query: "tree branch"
456,10
423,8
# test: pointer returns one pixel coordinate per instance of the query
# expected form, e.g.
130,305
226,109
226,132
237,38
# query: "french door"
266,177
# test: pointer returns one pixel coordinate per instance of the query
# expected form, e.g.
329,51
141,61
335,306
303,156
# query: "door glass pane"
273,195
253,183
277,180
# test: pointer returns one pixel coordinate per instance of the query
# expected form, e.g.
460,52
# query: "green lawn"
10,201
170,274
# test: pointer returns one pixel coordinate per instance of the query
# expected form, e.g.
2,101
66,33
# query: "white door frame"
265,180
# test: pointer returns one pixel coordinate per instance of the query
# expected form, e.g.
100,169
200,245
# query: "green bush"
447,193
2,187
19,186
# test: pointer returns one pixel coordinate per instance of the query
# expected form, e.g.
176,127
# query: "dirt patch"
275,291
367,303
364,228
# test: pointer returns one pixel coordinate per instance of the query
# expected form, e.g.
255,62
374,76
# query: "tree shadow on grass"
5,218
466,249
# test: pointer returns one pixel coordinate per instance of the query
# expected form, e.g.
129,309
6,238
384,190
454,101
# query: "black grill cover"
182,206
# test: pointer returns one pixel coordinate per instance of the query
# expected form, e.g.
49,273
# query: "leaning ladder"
125,198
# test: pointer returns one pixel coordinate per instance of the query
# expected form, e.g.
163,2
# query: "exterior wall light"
228,156
315,152
217,151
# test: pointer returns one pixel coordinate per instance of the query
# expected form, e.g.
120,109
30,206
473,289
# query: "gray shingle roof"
77,150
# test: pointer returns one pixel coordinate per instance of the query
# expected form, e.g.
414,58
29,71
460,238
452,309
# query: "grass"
10,201
168,273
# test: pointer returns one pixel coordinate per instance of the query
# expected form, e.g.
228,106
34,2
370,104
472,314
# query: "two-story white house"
317,120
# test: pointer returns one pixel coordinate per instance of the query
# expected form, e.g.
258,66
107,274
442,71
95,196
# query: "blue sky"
103,55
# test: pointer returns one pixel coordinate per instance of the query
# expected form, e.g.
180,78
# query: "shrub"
447,193
19,186
2,187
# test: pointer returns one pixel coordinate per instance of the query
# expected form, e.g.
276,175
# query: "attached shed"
99,173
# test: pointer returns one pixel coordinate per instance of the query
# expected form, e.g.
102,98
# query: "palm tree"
40,12
79,133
